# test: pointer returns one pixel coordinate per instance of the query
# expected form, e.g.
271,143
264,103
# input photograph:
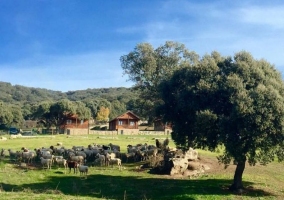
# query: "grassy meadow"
261,182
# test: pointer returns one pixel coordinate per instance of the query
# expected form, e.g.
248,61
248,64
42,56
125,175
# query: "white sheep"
28,156
83,170
3,138
109,156
45,152
14,154
13,136
46,162
57,157
61,162
115,161
78,159
46,156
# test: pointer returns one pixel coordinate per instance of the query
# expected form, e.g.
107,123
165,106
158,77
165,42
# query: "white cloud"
204,27
268,16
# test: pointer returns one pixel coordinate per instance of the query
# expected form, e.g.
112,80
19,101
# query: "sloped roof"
123,114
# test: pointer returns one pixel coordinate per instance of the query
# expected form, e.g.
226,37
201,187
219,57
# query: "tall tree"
147,67
93,106
18,118
117,108
55,113
6,116
82,111
235,102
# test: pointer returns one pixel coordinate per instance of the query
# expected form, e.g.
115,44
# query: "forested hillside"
23,101
18,94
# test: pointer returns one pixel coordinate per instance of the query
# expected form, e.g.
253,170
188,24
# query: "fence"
118,132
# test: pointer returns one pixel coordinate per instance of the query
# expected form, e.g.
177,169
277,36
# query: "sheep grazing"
151,152
46,156
3,138
28,156
13,136
61,162
108,156
130,156
140,155
46,162
2,152
57,158
72,164
83,169
101,159
115,161
24,149
81,153
14,155
114,147
78,159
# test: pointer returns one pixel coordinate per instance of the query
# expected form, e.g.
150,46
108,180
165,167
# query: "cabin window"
68,121
82,121
120,123
131,123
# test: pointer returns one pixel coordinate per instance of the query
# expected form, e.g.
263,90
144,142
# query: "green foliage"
29,99
238,103
117,108
148,67
55,113
6,116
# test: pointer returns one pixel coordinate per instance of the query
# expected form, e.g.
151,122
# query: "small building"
126,123
73,122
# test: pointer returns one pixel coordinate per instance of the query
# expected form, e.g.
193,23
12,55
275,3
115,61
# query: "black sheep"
74,165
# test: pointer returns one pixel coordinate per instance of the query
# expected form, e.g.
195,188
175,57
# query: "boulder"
179,166
191,154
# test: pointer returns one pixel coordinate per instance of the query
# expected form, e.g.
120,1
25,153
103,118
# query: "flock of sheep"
79,158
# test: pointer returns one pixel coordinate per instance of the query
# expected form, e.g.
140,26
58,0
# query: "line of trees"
51,106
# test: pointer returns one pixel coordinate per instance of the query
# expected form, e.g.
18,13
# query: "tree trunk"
238,183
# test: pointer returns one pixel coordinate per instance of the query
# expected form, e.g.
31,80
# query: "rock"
191,154
179,166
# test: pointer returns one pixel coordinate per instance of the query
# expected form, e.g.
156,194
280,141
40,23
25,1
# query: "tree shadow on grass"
131,187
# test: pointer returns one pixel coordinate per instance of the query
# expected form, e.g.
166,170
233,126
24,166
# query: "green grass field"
262,182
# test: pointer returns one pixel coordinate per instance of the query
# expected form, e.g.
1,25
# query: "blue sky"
68,45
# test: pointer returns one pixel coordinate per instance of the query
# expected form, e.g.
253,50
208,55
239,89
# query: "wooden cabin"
74,122
127,120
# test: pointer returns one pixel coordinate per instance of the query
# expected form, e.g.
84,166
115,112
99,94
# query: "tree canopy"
234,102
147,67
55,113
27,100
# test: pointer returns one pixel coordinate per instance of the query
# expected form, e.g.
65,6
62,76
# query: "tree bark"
238,183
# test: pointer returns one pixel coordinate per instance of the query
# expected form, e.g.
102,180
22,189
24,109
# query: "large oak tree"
234,102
